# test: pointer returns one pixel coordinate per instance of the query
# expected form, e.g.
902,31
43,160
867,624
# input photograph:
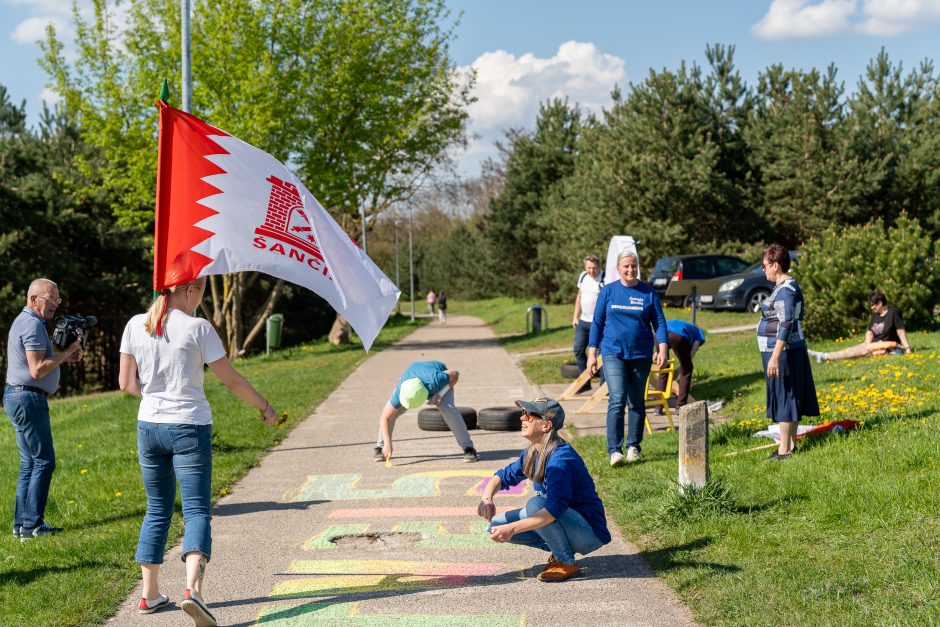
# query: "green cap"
412,394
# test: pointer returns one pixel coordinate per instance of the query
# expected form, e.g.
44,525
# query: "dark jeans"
626,386
582,335
29,413
682,349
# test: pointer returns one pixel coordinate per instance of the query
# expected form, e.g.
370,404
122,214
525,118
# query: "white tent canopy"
618,243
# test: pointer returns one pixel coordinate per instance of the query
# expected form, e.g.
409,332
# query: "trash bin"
536,314
273,328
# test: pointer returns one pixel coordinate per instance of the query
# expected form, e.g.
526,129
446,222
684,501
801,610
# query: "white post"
411,261
397,268
362,215
186,33
693,445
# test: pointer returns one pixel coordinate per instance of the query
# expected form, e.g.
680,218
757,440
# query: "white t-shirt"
589,288
170,367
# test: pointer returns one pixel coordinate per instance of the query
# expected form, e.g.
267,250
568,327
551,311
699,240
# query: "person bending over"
421,381
565,516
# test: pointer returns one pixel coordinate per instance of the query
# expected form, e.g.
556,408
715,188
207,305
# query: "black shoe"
16,531
377,454
470,455
777,457
42,530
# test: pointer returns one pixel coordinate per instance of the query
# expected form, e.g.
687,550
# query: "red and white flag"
225,206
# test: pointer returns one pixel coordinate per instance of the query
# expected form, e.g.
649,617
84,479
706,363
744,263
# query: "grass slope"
847,532
81,576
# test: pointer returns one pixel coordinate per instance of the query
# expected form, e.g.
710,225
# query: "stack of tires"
490,419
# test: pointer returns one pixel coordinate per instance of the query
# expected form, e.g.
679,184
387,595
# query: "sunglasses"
527,417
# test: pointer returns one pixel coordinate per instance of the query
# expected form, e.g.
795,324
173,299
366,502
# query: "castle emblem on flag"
286,219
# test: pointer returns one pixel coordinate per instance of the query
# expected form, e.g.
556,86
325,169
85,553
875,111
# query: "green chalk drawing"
343,487
350,614
322,541
434,535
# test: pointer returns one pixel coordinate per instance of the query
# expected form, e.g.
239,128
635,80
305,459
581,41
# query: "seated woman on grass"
885,334
565,516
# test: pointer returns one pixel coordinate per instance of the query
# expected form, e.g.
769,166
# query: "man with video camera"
32,375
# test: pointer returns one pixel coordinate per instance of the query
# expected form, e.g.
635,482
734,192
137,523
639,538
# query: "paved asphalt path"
274,562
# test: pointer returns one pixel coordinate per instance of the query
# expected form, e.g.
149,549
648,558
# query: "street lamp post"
397,268
187,56
411,260
362,214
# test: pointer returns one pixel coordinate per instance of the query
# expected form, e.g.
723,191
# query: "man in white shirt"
589,286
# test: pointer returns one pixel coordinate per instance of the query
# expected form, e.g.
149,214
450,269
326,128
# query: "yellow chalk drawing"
433,535
350,614
343,487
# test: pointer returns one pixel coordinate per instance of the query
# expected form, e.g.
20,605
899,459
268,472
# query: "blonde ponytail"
157,314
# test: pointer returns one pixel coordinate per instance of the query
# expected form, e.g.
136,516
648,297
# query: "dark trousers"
682,349
29,413
582,335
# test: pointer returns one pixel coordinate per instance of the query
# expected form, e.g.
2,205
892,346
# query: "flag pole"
186,37
411,261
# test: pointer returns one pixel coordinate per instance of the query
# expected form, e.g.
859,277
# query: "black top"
885,328
442,301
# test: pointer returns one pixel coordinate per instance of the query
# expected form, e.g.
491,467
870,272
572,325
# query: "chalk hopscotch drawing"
433,535
350,614
417,485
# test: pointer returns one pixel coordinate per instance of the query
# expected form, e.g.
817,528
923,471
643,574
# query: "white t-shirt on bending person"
170,367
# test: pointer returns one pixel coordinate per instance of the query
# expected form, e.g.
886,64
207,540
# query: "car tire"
570,370
687,302
755,299
431,419
500,419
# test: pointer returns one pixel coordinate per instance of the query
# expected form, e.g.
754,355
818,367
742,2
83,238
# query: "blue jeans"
451,416
169,453
566,535
582,335
29,413
626,386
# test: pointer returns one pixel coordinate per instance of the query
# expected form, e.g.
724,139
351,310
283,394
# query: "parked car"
691,267
742,292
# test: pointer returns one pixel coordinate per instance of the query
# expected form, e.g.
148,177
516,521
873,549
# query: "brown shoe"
559,571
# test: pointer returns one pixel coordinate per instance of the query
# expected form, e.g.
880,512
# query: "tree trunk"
262,315
339,334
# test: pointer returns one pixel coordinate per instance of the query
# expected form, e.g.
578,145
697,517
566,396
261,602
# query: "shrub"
838,269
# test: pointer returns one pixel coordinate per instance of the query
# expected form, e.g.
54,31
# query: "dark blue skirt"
792,393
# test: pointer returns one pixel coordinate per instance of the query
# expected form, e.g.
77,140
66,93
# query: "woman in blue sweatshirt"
565,516
628,318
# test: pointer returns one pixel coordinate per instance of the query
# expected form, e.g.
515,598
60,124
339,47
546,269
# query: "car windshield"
666,265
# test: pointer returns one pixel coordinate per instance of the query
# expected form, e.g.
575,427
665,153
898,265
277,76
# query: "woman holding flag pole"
162,356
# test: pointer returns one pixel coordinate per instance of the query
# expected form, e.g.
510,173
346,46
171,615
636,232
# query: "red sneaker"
193,605
144,607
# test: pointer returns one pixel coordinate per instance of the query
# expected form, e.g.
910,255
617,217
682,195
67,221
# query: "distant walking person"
791,393
565,516
162,356
589,286
628,327
431,299
422,381
885,334
442,307
684,340
32,375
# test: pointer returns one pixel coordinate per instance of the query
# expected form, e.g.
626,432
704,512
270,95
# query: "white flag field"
225,206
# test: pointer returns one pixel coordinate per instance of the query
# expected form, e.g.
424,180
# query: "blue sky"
526,51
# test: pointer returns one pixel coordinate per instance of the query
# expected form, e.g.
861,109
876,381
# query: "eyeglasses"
54,301
527,417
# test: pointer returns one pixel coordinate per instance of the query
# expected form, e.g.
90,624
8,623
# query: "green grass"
847,532
97,494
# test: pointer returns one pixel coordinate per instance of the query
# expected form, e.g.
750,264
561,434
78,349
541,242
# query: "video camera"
67,329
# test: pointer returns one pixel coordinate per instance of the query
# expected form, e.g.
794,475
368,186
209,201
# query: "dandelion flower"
83,471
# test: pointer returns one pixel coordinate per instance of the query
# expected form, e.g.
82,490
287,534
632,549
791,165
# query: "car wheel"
756,299
687,302
430,419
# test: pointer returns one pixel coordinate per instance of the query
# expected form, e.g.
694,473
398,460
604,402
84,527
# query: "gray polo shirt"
28,333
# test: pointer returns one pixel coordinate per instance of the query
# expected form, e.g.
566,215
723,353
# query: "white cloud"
509,89
799,19
33,29
894,17
796,19
50,96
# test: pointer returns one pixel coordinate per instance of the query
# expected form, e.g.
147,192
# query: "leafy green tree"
809,177
839,268
361,96
535,163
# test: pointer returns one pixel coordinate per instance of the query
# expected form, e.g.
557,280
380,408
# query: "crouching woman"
565,516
